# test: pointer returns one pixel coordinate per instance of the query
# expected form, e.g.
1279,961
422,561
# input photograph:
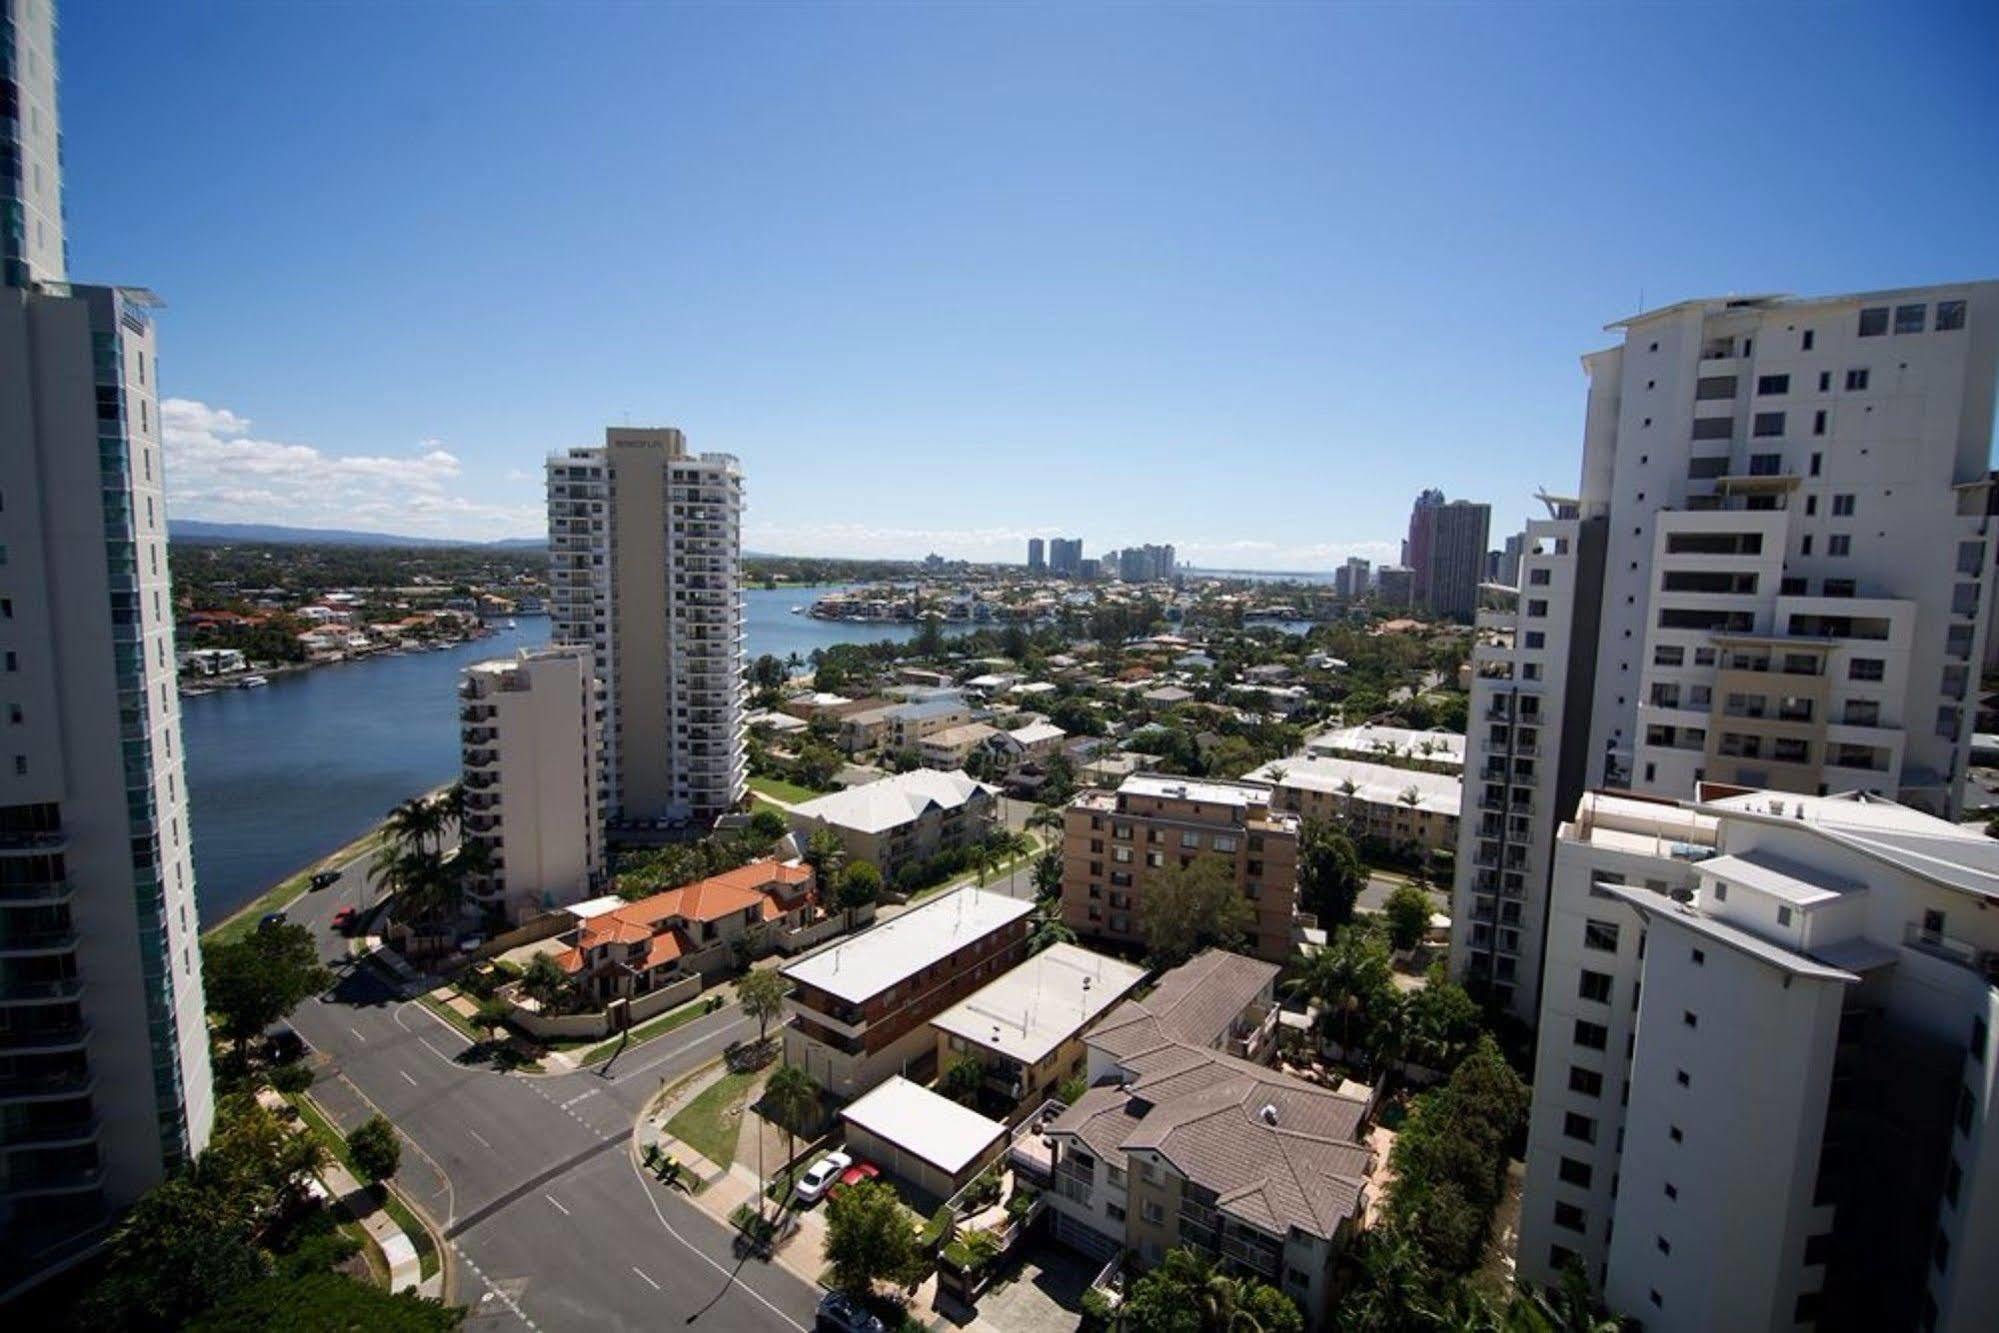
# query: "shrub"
292,1078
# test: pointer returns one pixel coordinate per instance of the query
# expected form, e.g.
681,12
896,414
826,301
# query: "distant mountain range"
200,530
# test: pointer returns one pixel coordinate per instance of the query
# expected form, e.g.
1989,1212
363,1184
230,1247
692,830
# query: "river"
281,776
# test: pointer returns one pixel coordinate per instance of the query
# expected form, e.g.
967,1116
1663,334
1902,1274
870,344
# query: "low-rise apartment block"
902,821
861,1008
1397,747
1413,811
1765,1080
530,728
953,747
1178,1144
1026,1027
1115,843
910,723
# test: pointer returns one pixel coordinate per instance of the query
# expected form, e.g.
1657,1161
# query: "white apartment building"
645,553
1764,1084
1783,516
104,1070
530,728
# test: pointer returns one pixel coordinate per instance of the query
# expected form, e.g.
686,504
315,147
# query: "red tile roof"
761,884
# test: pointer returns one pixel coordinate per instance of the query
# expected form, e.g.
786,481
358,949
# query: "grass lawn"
430,1001
336,1146
705,1124
287,892
784,791
646,1031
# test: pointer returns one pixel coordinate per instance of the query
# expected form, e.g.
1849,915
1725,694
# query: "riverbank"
289,890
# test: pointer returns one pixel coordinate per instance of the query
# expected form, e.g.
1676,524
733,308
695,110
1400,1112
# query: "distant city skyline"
1244,278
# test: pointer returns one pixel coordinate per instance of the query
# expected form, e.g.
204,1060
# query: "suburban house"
920,1138
635,949
909,723
1217,1000
861,1007
1180,1144
950,748
1026,1027
1035,743
1114,844
902,820
1412,809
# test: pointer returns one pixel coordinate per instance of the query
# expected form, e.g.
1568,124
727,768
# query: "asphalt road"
531,1176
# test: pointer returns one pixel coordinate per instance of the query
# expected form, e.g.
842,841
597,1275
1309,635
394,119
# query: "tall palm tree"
789,1097
416,825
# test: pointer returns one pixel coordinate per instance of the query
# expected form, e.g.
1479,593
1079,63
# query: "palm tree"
789,1097
826,854
416,824
1049,931
1046,817
1569,1308
982,860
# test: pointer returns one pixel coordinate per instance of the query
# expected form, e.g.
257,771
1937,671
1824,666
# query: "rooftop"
948,1136
864,965
1434,747
1165,787
1029,1012
879,806
1196,1003
1949,855
1379,784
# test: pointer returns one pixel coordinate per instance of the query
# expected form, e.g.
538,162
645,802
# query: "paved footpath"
532,1179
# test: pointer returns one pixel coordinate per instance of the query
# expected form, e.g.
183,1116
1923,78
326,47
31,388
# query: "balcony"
67,1133
44,1040
31,943
47,1087
40,992
33,844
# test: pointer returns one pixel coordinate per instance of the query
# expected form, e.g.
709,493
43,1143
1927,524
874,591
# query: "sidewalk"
405,1269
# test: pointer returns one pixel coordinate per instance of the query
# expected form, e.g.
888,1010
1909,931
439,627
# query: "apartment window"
1571,1218
1672,1190
1874,321
1825,381
1805,343
1691,1019
1911,318
1839,544
1950,316
1665,1246
1575,1173
1591,1036
1537,578
1153,1212
1113,1211
1865,668
1783,916
1600,935
1772,384
1713,428
1681,1077
1579,1127
1765,465
1190,840
1842,506
1586,1081
1536,639
1656,1299
1538,608
1818,422
1595,986
1856,380
1673,1133
1768,423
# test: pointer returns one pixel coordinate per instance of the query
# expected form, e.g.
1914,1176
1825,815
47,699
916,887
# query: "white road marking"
558,1204
406,1077
357,1036
481,1137
642,1273
580,1098
703,1255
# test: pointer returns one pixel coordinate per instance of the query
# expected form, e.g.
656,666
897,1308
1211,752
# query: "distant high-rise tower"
1065,557
1445,553
1416,546
104,1069
1037,556
645,566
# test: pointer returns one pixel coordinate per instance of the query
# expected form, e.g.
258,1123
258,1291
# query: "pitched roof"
1278,1152
1195,1003
709,899
879,806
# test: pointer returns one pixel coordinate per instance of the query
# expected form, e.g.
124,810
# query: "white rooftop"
1376,784
1027,1013
864,965
948,1136
590,907
1780,878
880,806
1435,747
1192,789
1035,732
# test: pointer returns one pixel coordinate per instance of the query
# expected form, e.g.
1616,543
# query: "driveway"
1044,1292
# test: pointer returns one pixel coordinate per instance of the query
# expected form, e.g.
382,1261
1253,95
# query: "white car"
821,1174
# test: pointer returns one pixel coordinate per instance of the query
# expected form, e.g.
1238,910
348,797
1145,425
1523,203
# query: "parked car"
841,1313
854,1175
821,1174
270,920
324,878
343,920
282,1044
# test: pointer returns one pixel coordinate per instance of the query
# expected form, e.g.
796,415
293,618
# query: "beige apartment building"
1413,811
1115,843
529,728
900,822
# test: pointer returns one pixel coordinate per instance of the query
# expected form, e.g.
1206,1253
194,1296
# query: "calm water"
281,776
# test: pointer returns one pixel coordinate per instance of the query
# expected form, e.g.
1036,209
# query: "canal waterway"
281,776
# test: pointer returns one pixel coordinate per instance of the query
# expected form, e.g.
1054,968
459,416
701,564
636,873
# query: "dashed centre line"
558,1204
648,1281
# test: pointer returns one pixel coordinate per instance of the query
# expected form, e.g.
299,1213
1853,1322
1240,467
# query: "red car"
343,920
854,1175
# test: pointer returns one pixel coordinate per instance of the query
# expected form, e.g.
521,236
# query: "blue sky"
1242,278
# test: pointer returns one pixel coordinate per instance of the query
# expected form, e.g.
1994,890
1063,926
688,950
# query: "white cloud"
217,469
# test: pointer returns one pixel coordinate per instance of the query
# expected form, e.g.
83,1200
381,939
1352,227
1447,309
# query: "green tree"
1408,913
1450,1158
375,1149
816,765
1187,1293
790,1098
325,1302
870,1238
768,825
1330,875
1189,908
253,981
961,1080
860,885
547,984
491,1016
761,993
1442,1022
1350,978
827,855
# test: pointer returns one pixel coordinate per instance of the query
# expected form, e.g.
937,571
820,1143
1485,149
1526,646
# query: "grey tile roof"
1194,1003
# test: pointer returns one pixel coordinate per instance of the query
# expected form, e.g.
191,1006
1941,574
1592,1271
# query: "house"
861,1007
212,661
1217,1000
641,946
902,820
1167,696
922,1139
910,723
1035,743
951,747
1026,1027
1180,1144
866,728
910,675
